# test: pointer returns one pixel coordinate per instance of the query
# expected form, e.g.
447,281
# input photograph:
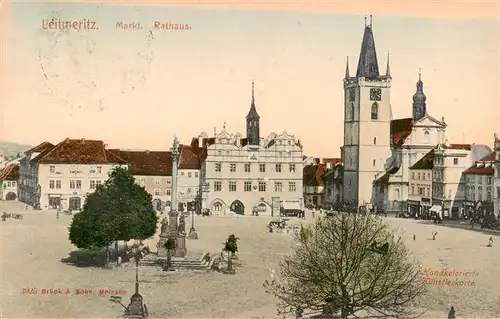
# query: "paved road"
466,225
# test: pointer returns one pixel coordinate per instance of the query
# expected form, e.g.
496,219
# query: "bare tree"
346,264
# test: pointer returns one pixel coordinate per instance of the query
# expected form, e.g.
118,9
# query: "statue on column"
182,224
164,226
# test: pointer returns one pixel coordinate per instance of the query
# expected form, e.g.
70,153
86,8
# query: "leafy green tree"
231,247
117,210
345,264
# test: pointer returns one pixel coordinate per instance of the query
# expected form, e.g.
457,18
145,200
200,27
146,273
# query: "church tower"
419,105
367,119
253,121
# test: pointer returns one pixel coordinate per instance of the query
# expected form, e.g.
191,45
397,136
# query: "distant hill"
11,149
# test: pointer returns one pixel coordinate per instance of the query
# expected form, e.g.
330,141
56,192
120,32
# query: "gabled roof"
82,151
40,148
152,163
189,158
10,173
426,162
430,118
400,130
482,168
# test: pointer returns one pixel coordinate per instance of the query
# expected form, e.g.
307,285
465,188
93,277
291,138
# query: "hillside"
10,149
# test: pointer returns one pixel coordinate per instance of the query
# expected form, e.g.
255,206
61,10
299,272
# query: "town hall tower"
367,119
253,121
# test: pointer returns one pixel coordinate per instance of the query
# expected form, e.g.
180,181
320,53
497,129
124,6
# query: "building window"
92,184
52,168
232,167
413,175
498,192
374,141
157,192
292,187
190,174
413,189
278,187
78,184
488,196
473,193
418,176
58,184
167,192
352,111
247,167
182,173
218,167
51,184
189,190
278,168
217,186
291,167
423,176
262,168
262,186
488,180
232,186
375,111
72,184
455,161
195,174
99,169
374,162
247,186
219,153
217,207
169,181
157,181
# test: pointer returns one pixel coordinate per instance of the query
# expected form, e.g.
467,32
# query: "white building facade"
367,116
496,178
9,178
63,175
244,175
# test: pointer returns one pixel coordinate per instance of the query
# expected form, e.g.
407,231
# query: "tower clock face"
352,95
375,94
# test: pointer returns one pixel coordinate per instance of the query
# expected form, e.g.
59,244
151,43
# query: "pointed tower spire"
368,65
253,122
253,110
347,69
253,92
388,69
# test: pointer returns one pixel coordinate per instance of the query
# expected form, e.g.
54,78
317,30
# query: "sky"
137,88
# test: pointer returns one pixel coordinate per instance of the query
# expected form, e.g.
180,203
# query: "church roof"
426,162
367,64
400,130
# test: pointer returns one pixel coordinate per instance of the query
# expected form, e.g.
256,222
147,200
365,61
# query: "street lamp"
192,231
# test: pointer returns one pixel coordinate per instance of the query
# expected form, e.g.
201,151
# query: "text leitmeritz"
58,24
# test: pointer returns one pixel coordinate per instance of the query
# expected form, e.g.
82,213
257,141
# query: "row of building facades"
385,165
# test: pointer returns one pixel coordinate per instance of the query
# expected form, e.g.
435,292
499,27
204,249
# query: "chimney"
83,140
200,141
105,146
67,139
147,151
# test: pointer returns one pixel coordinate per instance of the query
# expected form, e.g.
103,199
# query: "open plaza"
458,268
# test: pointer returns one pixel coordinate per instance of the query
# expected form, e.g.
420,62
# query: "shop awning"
435,208
291,205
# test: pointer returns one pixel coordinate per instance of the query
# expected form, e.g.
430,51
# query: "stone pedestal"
179,245
162,251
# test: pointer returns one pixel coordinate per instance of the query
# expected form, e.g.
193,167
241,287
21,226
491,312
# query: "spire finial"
224,126
420,74
388,69
253,91
370,20
365,21
347,68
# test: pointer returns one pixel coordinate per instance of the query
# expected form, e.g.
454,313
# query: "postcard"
246,159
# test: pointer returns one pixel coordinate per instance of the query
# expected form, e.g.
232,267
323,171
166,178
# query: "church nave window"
375,111
374,141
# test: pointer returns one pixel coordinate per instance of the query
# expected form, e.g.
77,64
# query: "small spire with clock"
419,98
253,122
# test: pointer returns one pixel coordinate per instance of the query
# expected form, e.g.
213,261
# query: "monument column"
173,206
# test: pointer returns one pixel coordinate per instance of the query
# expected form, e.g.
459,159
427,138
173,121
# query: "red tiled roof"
312,174
384,179
79,152
153,163
189,157
426,162
10,173
40,148
400,130
482,169
466,147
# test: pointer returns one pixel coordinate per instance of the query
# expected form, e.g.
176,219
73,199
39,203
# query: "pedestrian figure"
490,241
434,235
414,237
57,214
119,261
451,313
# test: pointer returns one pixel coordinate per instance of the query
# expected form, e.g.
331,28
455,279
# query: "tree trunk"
229,262
116,245
169,259
107,256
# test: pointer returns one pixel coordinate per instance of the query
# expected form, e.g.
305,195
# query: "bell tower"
367,118
253,123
